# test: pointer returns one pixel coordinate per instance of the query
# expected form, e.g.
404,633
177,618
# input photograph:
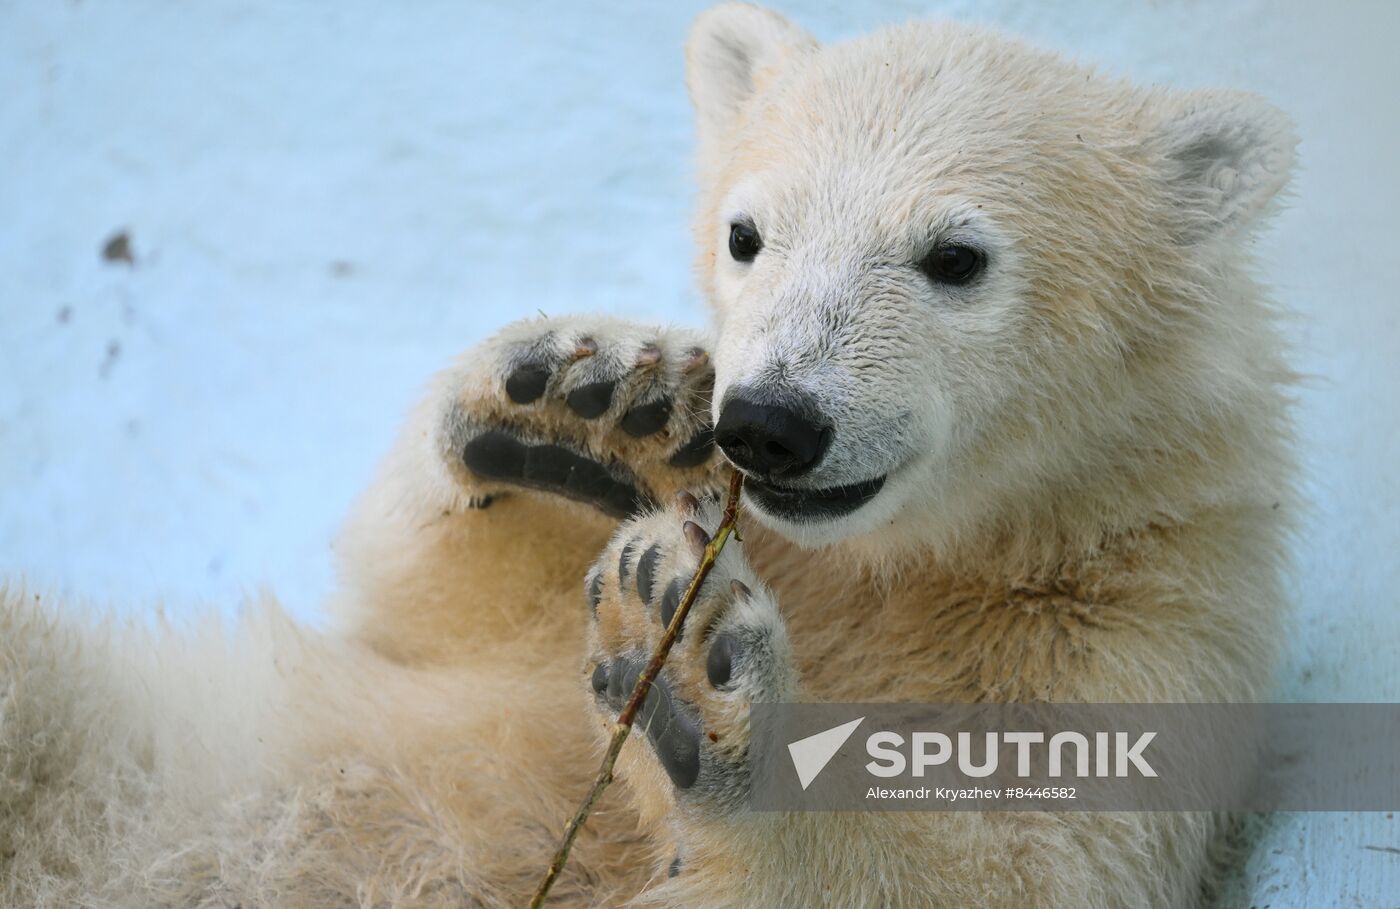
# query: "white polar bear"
1014,417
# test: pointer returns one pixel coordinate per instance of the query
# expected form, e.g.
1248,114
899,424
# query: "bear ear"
731,50
1225,156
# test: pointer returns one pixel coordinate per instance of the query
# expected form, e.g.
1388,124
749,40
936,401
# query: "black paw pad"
619,687
624,560
646,419
646,572
526,384
674,736
600,678
696,451
719,665
595,593
498,455
670,601
672,731
591,401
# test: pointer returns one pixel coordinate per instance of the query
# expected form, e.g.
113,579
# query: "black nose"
770,440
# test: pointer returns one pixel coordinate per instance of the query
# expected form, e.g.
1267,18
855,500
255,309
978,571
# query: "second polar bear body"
1081,469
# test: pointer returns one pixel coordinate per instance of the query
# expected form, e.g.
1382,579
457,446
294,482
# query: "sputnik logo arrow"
811,755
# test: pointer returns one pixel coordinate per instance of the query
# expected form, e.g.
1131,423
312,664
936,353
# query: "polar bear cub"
1013,418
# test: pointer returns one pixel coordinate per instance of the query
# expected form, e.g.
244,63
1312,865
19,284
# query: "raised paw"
731,651
597,410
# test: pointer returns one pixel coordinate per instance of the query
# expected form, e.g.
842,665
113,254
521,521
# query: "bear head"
958,281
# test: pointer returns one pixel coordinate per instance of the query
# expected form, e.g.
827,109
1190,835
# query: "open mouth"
807,505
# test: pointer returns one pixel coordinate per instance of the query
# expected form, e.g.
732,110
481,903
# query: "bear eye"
953,264
744,241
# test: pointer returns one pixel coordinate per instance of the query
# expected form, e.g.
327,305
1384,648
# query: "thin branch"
623,727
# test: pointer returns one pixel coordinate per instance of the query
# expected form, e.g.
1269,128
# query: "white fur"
1089,485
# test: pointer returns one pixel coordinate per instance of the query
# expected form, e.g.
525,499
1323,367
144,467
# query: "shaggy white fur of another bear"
1089,486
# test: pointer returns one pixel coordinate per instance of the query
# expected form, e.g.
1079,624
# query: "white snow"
326,201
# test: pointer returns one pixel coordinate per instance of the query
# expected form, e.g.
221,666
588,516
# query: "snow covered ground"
325,201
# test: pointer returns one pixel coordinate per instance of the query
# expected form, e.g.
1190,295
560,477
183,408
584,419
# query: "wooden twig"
623,728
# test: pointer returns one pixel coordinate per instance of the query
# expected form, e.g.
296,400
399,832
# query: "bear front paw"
596,410
731,651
